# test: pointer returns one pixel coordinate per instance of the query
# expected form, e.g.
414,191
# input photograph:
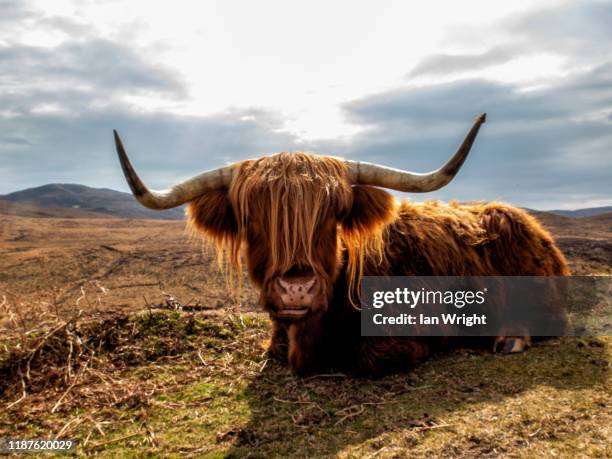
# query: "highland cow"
311,226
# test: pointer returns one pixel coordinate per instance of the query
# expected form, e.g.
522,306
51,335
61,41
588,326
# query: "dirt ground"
92,347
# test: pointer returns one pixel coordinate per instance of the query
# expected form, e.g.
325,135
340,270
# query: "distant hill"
69,200
30,210
588,212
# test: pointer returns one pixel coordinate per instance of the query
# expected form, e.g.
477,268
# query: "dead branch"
76,379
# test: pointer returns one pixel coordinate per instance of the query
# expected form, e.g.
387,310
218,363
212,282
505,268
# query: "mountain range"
70,200
73,201
587,212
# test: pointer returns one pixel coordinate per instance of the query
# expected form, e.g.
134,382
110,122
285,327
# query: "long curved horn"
396,179
179,193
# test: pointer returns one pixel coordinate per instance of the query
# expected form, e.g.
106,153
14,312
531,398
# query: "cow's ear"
212,214
372,208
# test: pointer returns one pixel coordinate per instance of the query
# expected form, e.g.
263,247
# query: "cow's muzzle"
297,295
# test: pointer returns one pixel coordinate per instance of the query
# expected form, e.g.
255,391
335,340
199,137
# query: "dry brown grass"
105,264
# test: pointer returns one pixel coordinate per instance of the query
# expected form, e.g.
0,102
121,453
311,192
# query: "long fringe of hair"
290,194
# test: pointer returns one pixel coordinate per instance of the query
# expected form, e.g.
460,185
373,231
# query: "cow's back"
492,239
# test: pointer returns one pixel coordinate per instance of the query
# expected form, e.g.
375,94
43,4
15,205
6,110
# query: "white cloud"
303,59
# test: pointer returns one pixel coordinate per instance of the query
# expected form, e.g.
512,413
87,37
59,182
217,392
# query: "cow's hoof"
275,350
265,344
511,344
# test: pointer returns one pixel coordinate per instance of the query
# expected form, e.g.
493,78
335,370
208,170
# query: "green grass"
200,385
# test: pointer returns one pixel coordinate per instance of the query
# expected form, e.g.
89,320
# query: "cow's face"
293,214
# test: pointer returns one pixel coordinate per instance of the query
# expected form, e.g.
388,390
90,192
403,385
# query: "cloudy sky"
194,85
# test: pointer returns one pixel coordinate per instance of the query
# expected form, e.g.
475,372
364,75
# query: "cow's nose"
297,292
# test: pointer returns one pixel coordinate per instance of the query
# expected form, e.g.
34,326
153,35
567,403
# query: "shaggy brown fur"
299,211
285,210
